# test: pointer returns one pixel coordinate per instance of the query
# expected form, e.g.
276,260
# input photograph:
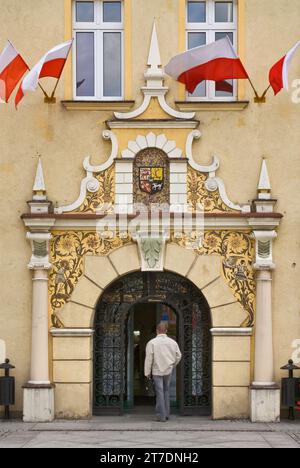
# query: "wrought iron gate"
110,383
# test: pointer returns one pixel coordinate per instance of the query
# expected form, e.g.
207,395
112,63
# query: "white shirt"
162,356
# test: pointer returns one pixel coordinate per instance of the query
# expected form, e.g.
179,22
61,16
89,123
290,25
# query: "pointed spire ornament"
39,202
154,60
155,87
264,185
264,202
39,188
155,74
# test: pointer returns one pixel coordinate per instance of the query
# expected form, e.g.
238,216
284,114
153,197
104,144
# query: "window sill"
98,105
212,105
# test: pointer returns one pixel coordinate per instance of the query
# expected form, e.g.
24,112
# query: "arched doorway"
170,293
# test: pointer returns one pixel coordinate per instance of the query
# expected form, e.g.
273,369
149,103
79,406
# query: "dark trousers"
162,390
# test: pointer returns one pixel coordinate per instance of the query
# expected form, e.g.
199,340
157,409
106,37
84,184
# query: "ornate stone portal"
89,244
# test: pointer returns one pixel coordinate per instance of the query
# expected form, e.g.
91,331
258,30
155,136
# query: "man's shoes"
159,419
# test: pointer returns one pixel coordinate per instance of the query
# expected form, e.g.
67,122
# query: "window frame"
99,28
210,27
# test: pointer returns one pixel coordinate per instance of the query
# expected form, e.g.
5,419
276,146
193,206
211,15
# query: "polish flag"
12,68
279,73
50,65
216,62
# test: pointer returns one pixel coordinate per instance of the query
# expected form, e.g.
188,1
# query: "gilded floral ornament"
67,257
237,251
101,193
203,190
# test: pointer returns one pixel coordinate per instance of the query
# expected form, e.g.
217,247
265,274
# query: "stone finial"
39,202
155,74
264,185
264,202
154,60
39,188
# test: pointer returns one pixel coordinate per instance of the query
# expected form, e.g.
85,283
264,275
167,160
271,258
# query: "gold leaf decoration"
237,251
69,249
105,194
198,194
67,257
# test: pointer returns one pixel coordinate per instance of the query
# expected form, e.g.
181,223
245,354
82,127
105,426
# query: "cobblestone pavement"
138,431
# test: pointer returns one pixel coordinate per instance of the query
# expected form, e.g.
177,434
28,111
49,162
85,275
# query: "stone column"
38,392
264,356
39,371
265,394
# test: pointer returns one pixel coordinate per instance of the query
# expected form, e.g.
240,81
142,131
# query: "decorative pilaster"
265,394
38,392
39,371
264,357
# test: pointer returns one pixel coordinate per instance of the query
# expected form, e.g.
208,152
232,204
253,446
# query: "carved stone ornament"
264,249
152,251
40,251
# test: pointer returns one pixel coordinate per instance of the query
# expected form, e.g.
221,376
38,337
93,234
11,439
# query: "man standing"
162,356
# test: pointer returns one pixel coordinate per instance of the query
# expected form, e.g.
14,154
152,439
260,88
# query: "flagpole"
55,88
45,94
258,99
253,87
266,90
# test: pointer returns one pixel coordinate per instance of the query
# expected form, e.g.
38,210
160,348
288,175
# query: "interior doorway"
142,322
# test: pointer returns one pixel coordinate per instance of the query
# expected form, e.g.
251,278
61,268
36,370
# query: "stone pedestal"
265,404
38,403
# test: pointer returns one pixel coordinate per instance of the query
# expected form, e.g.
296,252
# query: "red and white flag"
216,62
279,73
12,68
50,65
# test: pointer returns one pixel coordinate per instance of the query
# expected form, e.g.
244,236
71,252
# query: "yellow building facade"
85,277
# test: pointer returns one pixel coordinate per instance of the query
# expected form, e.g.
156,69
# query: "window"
98,64
209,21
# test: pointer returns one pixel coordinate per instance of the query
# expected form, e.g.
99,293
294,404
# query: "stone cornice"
77,105
230,221
152,124
249,216
211,106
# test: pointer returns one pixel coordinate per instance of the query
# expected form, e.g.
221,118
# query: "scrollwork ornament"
211,184
101,192
204,190
93,185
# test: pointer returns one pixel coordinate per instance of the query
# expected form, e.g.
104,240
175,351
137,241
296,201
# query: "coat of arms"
151,179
